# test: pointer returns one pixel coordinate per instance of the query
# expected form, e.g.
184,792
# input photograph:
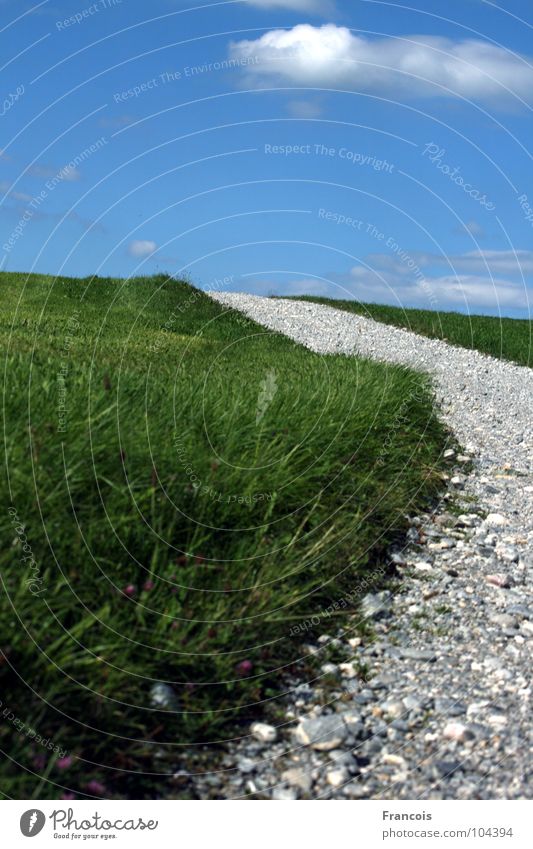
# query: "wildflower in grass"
148,585
68,796
244,667
129,590
96,787
64,763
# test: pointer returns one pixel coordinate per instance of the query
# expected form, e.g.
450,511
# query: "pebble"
323,733
427,655
499,580
263,732
455,731
337,777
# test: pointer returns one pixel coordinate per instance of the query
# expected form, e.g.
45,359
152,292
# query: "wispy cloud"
489,262
141,247
5,187
320,7
473,228
116,122
304,108
409,66
68,173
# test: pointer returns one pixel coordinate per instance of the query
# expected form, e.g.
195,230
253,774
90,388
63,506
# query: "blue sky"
371,150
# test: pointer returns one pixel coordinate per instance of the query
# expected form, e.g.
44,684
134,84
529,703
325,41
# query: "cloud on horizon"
411,66
470,293
518,262
390,279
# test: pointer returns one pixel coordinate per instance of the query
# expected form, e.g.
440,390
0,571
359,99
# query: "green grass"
503,338
234,481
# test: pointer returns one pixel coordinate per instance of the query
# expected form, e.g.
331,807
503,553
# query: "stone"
504,620
297,777
348,670
394,760
455,731
284,794
508,553
163,696
447,768
496,520
337,777
450,707
353,723
393,709
322,733
263,732
376,605
427,655
500,580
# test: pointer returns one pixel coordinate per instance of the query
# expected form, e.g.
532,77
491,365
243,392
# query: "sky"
364,149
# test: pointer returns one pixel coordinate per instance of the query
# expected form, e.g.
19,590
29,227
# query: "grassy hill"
181,487
503,338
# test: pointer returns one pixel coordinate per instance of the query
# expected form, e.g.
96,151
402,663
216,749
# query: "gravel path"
445,712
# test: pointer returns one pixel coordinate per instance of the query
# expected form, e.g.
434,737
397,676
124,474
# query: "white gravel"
446,712
488,403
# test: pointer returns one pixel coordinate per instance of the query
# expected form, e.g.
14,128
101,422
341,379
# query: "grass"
180,488
503,338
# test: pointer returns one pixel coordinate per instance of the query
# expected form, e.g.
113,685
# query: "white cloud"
141,247
319,6
470,291
474,228
498,262
494,262
473,293
412,66
20,196
70,174
304,108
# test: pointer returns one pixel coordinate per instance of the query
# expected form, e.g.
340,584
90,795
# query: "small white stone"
394,760
337,777
496,520
348,670
423,566
498,720
454,731
263,732
297,777
284,794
